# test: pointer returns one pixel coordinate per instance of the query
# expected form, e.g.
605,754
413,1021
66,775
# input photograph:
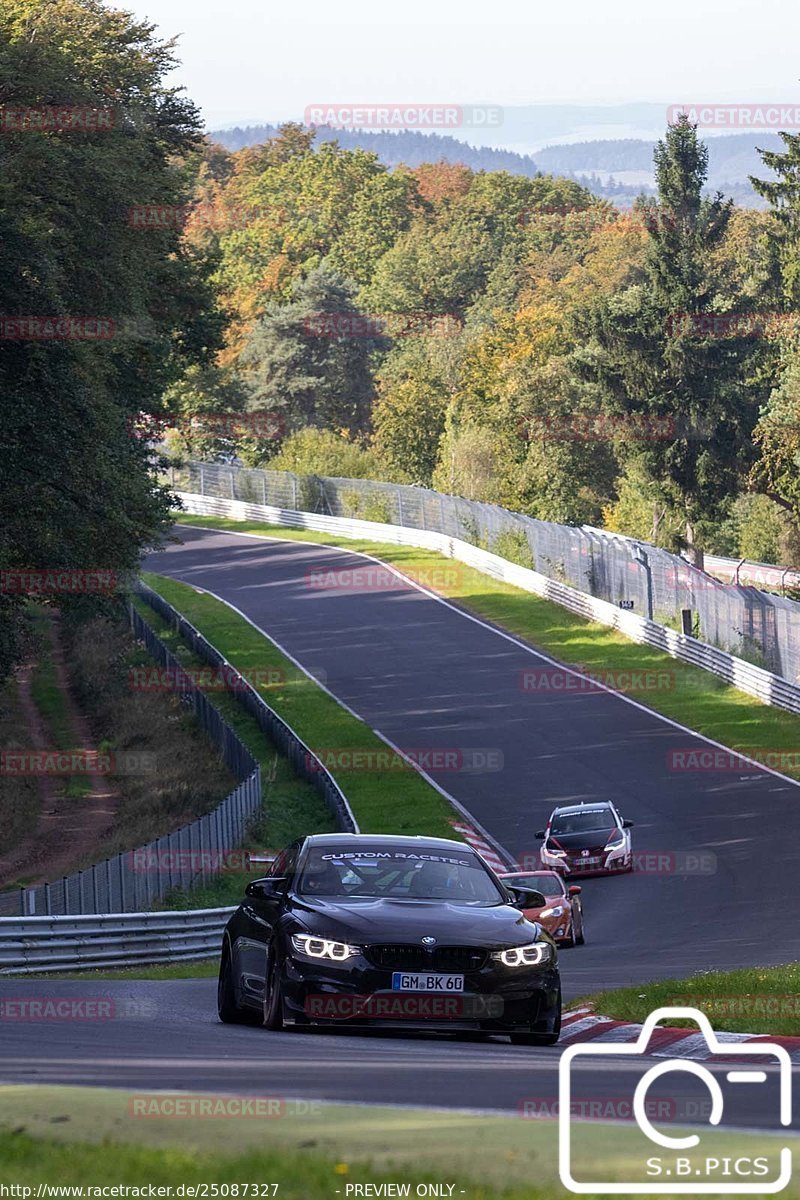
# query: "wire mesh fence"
756,625
188,857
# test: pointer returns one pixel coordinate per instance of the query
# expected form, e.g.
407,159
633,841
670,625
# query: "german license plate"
589,862
422,981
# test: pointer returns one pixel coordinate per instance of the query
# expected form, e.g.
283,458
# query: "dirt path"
68,827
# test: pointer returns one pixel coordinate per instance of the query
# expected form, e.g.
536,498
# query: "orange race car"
563,916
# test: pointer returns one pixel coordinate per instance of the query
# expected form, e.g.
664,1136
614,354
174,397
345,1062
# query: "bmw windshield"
398,875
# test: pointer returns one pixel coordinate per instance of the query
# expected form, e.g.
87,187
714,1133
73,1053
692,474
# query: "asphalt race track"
166,1036
424,675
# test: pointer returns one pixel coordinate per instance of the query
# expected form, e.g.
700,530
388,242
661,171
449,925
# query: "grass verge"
79,1135
687,694
753,1000
198,968
397,800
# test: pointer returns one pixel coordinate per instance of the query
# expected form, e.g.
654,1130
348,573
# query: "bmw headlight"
618,844
558,911
533,955
310,946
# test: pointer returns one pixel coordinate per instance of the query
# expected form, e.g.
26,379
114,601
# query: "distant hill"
731,160
407,146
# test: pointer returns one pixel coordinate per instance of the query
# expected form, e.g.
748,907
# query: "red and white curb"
479,843
582,1025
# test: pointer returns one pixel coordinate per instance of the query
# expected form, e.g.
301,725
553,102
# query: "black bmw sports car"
356,931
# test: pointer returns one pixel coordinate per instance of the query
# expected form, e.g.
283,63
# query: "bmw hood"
371,921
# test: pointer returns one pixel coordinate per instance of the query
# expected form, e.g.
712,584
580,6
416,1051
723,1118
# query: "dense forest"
498,334
581,377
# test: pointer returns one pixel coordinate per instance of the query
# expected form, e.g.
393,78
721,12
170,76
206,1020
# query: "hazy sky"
254,59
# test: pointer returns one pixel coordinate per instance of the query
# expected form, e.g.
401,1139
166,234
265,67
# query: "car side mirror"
574,890
527,898
540,835
266,889
627,824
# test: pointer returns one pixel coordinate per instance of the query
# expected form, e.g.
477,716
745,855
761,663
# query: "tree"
76,486
310,360
648,349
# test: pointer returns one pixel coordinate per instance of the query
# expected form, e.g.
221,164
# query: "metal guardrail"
56,944
744,621
122,938
756,681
